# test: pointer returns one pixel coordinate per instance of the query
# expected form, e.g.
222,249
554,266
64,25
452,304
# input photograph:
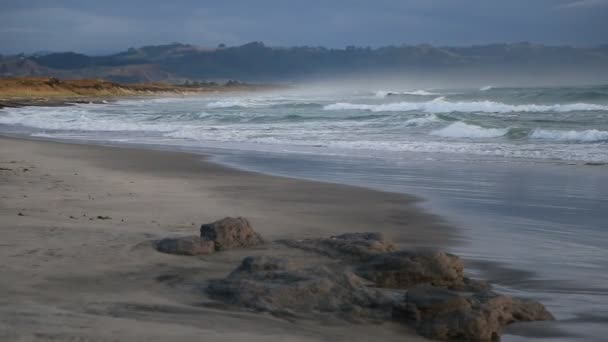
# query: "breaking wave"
421,121
591,135
441,105
74,118
463,130
234,103
382,93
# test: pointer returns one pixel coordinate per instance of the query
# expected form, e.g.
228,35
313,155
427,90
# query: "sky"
97,27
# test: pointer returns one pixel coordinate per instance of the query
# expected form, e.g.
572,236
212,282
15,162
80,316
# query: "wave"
591,135
421,121
441,105
486,88
73,118
463,130
230,104
383,93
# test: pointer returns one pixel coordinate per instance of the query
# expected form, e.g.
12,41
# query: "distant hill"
257,62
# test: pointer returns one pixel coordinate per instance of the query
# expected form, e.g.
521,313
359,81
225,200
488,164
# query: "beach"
78,223
515,187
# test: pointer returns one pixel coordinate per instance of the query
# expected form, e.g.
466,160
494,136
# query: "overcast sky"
102,26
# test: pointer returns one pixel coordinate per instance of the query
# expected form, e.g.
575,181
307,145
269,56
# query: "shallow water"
509,166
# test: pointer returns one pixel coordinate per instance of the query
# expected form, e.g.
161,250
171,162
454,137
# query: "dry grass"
28,87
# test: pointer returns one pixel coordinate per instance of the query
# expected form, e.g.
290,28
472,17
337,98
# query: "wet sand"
78,221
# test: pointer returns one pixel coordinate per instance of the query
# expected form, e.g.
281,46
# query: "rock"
278,286
443,314
230,233
188,245
405,269
260,265
359,246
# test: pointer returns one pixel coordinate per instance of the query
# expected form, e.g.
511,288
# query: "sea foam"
591,135
383,93
441,105
463,130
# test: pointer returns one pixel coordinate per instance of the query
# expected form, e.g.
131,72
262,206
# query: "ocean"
522,172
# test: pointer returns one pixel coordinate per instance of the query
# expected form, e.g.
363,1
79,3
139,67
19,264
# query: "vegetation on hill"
257,62
42,88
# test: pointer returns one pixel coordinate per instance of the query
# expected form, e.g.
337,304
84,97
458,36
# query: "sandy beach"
78,222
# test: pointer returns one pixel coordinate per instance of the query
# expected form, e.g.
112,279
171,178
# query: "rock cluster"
364,278
278,286
372,280
220,235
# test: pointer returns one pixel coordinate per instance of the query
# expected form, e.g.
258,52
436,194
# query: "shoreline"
56,253
196,165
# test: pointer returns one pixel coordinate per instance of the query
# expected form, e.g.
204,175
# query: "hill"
255,61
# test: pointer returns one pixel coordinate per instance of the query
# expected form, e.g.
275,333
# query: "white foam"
421,121
227,104
419,92
463,130
245,103
441,105
591,135
486,88
382,93
75,118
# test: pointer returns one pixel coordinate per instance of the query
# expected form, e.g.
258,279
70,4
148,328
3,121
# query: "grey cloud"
112,25
584,4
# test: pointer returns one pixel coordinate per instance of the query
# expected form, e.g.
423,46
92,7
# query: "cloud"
583,4
114,25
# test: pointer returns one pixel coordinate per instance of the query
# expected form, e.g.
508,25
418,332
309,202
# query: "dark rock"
230,233
101,217
188,245
443,314
277,285
405,269
359,246
259,265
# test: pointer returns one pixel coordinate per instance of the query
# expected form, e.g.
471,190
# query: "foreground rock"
189,245
358,246
426,290
442,314
276,285
230,233
405,269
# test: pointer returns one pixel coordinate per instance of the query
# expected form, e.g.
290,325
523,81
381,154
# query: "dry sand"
69,275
